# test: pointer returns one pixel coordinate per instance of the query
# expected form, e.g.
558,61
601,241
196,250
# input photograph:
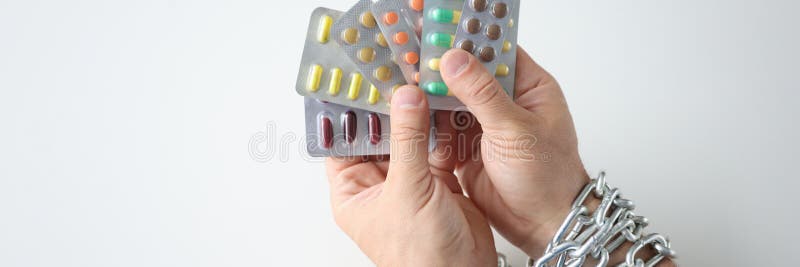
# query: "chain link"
600,234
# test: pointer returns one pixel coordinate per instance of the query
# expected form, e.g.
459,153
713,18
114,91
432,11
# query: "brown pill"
499,10
366,55
350,36
349,124
374,129
326,133
473,25
494,32
487,54
467,45
368,20
478,5
383,73
381,40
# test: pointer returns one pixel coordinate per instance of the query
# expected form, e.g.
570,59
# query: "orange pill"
401,38
390,18
416,4
416,77
411,58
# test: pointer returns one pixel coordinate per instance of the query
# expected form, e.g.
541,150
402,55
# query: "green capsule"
441,39
436,88
442,15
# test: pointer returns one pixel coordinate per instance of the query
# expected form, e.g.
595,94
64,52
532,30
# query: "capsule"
436,88
433,64
336,81
442,15
355,86
326,132
374,129
374,95
324,29
349,124
314,78
441,39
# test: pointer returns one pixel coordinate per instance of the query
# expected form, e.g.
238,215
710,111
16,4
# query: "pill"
400,38
411,58
467,45
442,15
433,64
314,78
355,86
511,23
383,73
436,88
441,39
478,5
324,29
325,132
350,36
502,70
494,32
506,46
366,55
381,40
390,18
374,95
374,129
349,124
416,5
336,81
499,10
487,54
368,20
473,25
416,77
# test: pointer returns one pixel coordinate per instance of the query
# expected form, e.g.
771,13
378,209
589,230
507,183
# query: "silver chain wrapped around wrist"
599,234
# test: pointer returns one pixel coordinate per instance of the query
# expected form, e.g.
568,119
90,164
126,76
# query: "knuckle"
407,133
484,90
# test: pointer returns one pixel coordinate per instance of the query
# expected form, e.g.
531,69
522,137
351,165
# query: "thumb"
409,171
483,95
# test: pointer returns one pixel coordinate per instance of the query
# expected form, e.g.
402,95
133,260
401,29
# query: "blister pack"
413,11
506,72
484,29
439,23
339,131
326,73
358,34
402,38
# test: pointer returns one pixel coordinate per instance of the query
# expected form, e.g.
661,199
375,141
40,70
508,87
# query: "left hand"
409,211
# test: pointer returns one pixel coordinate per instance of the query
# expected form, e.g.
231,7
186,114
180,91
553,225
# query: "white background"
125,127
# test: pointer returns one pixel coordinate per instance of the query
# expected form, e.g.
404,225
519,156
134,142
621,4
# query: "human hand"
528,171
408,211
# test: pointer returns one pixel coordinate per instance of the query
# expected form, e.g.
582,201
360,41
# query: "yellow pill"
383,73
456,16
366,55
350,36
433,64
374,94
511,23
396,86
506,46
381,40
355,86
336,81
314,78
368,20
502,70
324,29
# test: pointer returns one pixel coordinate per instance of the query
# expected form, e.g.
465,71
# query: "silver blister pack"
400,35
484,29
506,72
439,23
358,34
412,9
334,130
326,73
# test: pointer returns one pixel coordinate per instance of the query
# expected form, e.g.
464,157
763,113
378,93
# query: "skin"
519,171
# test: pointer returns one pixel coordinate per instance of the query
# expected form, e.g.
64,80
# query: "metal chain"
501,260
599,234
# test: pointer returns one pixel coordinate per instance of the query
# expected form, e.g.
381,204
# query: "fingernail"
456,63
407,97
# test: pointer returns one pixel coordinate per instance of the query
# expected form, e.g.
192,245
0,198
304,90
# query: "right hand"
529,170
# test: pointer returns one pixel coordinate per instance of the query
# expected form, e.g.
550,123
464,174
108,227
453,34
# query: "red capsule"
349,124
326,133
374,129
